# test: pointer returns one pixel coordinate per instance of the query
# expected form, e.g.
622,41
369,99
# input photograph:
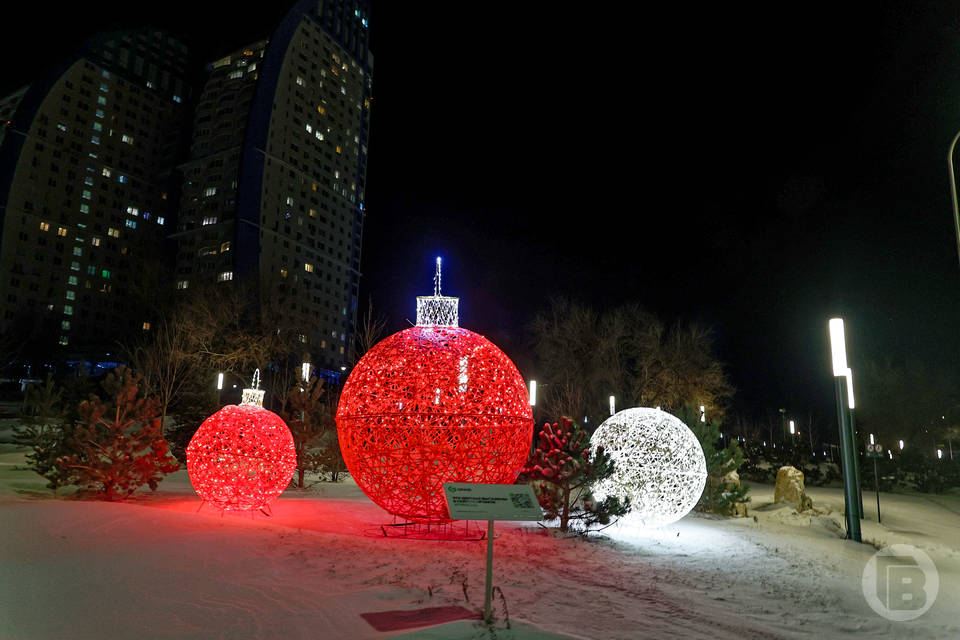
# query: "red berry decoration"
431,404
242,457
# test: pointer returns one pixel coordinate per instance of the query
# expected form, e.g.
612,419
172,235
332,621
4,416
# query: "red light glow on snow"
430,405
241,458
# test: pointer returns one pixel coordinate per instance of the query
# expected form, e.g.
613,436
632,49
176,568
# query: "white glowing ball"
659,464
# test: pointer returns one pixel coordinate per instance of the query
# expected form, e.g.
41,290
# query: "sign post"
473,501
875,451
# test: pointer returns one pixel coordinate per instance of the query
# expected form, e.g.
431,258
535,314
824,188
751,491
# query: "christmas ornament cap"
437,310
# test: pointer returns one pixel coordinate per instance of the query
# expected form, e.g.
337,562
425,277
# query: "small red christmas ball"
241,458
429,405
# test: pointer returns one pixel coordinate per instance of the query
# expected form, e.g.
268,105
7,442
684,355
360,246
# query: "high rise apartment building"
87,184
107,177
273,190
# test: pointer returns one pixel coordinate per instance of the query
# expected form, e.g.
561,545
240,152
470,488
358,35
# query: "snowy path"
155,568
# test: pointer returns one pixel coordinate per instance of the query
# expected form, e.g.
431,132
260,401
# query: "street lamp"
953,191
305,371
901,445
838,350
703,413
793,429
613,404
533,393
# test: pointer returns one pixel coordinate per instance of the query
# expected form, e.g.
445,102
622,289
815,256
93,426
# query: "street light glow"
703,413
612,405
219,381
793,429
901,445
850,388
871,439
305,371
533,393
838,347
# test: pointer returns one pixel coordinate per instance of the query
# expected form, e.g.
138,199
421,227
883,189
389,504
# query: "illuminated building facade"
87,182
273,191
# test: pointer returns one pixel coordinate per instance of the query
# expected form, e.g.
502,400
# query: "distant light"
703,413
533,393
219,381
901,445
838,347
940,453
793,429
342,368
890,453
305,371
871,439
613,403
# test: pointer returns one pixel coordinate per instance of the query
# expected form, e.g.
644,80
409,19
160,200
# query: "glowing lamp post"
848,449
533,393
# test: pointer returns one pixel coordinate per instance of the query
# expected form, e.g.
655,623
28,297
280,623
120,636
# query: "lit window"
62,232
225,246
133,211
86,194
177,99
104,87
61,126
126,138
146,215
65,325
321,110
71,295
78,251
99,113
68,309
146,326
97,126
64,341
208,220
113,233
132,224
319,135
308,267
183,284
92,271
72,280
122,179
105,273
224,276
84,208
74,266
95,139
236,74
300,81
101,100
106,172
283,273
210,191
95,241
44,226
309,129
289,201
338,149
160,220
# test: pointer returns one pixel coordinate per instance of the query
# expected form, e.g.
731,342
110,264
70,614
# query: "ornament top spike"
437,310
255,394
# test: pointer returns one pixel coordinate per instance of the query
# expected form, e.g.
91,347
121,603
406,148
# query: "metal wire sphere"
241,458
430,405
658,461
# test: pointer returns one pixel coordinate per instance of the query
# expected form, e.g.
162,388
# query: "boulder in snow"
789,487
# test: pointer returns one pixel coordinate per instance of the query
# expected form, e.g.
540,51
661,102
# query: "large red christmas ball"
430,405
241,458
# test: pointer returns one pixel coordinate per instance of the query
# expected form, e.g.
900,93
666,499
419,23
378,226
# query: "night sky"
754,168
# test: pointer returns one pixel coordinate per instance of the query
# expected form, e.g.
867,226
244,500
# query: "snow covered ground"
155,567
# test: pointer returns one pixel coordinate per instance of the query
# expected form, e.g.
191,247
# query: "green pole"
848,457
876,483
856,459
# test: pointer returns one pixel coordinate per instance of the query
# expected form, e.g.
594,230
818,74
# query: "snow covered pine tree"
562,471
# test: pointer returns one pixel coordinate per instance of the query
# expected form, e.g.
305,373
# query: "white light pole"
901,445
953,191
533,393
703,413
613,404
793,428
848,450
305,371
